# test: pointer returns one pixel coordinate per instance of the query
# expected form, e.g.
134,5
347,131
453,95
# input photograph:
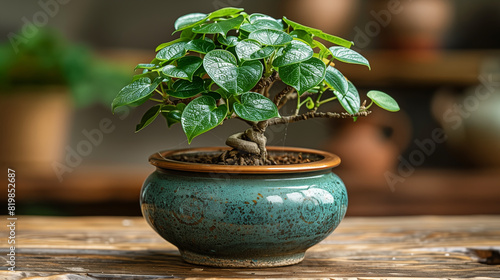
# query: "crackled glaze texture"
243,220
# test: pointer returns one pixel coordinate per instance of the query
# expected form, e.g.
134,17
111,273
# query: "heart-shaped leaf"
244,49
258,16
303,76
316,32
229,41
227,11
350,100
136,93
186,89
189,20
271,37
148,117
336,80
220,27
166,44
265,52
201,115
295,52
383,100
200,45
174,51
262,24
349,56
222,67
255,107
185,69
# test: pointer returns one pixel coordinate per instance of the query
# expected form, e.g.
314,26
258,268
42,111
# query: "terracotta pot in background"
371,146
471,121
419,25
35,124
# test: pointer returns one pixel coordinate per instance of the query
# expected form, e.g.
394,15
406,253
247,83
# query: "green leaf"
244,49
148,117
255,107
316,32
213,94
383,100
350,100
166,44
229,41
303,76
201,115
304,36
187,34
174,51
172,117
336,80
223,93
227,11
332,39
172,114
258,16
222,67
189,19
185,69
265,52
296,52
270,37
149,74
148,66
349,56
186,89
261,24
200,45
136,93
220,27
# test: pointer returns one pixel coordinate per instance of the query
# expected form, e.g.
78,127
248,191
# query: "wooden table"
364,248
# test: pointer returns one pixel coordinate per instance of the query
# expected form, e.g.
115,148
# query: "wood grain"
372,248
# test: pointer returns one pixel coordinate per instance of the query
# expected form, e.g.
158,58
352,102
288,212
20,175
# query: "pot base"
273,261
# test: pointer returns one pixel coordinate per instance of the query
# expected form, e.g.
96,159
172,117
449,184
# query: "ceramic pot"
244,216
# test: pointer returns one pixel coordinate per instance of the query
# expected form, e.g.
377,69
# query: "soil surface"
235,157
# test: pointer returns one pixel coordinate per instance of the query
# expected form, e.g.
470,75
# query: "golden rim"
161,160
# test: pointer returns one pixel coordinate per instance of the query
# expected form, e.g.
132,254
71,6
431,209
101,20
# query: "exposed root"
251,142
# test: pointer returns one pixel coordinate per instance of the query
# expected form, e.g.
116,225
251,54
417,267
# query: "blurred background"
62,62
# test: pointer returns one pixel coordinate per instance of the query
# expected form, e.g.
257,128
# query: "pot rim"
161,161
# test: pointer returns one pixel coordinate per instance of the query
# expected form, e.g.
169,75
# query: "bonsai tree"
228,64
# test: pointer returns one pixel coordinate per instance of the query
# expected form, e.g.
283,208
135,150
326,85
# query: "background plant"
224,65
48,59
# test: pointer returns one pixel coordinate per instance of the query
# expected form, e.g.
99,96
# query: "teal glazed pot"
243,216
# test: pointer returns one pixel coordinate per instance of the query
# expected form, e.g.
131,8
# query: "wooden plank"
374,248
